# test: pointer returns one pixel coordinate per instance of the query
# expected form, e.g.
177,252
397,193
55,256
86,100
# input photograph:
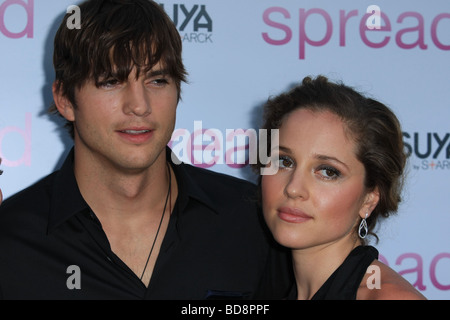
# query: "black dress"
343,284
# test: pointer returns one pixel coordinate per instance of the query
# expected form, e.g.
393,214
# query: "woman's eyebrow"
330,158
284,149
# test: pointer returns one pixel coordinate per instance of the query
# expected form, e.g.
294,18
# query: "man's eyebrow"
157,72
149,74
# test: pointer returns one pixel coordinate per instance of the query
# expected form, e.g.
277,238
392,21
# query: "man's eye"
160,82
108,83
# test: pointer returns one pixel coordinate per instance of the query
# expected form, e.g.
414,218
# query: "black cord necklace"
160,222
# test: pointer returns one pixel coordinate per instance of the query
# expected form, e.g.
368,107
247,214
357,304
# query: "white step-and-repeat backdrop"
240,52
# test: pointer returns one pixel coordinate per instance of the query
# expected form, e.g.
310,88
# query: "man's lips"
136,135
293,215
131,131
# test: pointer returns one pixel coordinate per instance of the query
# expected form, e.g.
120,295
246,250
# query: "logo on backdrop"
26,26
428,150
374,24
193,22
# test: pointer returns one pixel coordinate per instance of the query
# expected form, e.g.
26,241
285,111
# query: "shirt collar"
68,201
188,185
66,198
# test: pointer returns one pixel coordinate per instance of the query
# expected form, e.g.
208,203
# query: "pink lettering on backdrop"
363,29
433,266
286,29
434,26
343,18
420,29
383,259
303,36
418,269
26,135
28,30
417,32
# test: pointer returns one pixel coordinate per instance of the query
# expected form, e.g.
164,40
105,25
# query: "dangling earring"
363,229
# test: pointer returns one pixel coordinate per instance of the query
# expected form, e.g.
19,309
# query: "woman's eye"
285,162
329,173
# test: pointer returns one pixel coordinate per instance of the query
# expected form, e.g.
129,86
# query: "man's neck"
111,192
134,210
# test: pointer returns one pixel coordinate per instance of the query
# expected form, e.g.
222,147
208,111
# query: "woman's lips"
293,215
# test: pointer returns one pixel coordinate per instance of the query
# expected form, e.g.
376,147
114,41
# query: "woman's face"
317,196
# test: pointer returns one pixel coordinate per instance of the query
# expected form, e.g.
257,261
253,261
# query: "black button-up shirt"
52,246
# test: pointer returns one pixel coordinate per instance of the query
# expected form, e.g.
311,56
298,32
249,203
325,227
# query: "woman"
340,163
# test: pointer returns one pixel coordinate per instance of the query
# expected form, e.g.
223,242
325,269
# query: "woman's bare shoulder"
383,283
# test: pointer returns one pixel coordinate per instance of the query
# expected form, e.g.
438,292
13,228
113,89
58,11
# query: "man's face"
125,125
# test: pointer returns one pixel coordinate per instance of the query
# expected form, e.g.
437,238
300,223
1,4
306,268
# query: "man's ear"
63,105
370,202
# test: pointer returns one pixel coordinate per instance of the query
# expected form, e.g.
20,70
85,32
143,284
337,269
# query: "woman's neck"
314,265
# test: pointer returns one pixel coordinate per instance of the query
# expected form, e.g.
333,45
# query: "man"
120,220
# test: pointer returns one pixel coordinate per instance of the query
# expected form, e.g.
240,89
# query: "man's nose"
136,100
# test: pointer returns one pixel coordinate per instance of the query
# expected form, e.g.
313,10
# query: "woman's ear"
370,202
62,103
